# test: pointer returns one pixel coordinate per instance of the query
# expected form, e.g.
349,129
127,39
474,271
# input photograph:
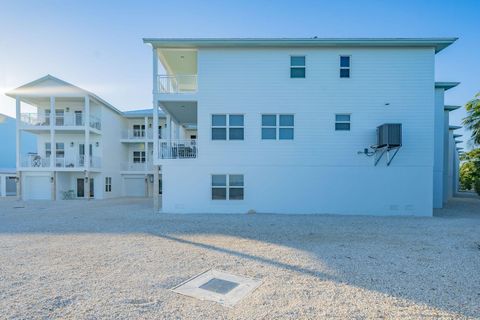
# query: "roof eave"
446,85
438,43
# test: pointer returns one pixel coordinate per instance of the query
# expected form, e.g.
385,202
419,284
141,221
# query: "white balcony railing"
177,149
137,134
141,166
60,120
180,83
37,161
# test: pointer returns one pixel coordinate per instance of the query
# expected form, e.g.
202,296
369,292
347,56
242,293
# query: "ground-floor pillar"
156,199
87,185
53,185
19,185
146,185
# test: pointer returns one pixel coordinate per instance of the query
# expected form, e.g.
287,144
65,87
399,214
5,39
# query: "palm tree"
472,121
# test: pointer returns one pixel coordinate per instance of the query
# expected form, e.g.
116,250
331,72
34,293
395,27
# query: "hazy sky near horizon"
98,45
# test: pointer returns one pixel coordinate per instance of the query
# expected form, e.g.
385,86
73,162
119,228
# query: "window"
344,66
342,122
277,126
59,117
108,184
229,186
139,130
227,127
297,67
60,149
48,150
138,156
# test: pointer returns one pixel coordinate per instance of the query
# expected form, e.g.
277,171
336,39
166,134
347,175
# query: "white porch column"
155,103
87,133
17,131
3,187
147,155
156,196
168,129
53,146
53,185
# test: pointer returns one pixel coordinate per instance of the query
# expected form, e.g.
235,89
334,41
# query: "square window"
219,180
219,193
235,194
342,126
286,120
235,180
235,120
219,120
269,120
342,117
286,134
219,133
297,73
235,134
269,133
297,61
344,61
344,73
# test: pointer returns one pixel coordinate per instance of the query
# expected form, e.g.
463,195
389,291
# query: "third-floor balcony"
179,83
43,120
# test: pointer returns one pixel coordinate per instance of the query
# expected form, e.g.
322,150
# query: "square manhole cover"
219,285
224,288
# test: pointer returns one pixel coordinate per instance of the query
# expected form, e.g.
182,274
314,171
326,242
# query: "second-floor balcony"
72,162
137,166
179,83
137,134
177,149
40,120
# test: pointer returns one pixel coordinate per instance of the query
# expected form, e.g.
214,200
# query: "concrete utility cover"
213,285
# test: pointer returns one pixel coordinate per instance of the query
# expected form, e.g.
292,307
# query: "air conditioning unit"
389,135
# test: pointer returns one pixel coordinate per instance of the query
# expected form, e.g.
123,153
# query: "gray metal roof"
437,43
142,113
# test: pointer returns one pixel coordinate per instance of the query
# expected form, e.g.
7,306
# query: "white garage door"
134,186
37,188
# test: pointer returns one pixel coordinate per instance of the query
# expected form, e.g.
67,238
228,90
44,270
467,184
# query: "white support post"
17,130
53,146
147,157
168,129
87,134
156,196
155,103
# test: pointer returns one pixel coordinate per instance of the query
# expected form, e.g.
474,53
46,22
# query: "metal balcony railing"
177,149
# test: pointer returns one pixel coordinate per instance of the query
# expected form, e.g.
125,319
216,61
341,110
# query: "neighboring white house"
7,155
86,147
290,126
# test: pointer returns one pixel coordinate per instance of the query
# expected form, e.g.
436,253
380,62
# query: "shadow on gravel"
426,260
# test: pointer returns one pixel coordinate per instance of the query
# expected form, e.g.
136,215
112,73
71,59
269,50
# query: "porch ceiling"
183,112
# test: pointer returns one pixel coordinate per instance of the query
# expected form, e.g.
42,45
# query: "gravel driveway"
115,259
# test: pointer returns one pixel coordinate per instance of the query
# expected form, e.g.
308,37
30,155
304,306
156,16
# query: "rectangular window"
277,126
297,67
227,187
138,156
227,127
342,122
108,184
59,117
48,150
139,130
344,66
60,149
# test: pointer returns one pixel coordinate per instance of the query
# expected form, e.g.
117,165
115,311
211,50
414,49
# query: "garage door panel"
37,188
134,187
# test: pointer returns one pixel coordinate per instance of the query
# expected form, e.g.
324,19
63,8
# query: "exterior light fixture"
97,144
86,179
71,144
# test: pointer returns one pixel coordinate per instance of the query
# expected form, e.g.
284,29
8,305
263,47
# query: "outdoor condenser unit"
389,135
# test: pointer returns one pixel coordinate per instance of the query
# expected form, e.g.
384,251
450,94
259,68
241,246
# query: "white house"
86,148
290,126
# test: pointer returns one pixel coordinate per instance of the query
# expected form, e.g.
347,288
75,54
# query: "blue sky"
98,45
